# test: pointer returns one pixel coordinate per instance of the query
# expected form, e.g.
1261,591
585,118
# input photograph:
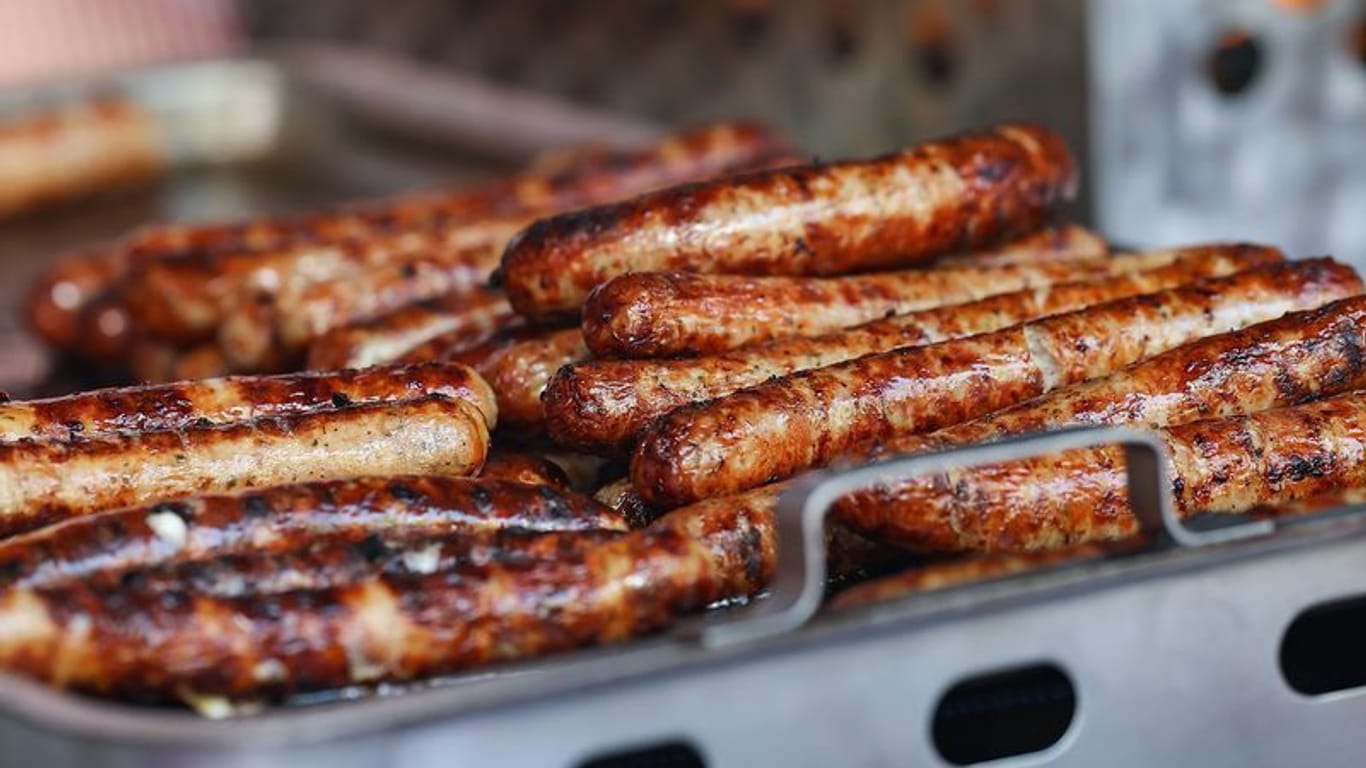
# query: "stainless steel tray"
1171,654
286,129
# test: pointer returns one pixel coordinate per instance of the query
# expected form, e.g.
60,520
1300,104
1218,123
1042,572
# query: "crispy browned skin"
395,626
524,468
474,316
1277,363
600,406
518,372
1218,465
289,517
1063,243
239,398
668,314
954,194
804,420
45,482
472,349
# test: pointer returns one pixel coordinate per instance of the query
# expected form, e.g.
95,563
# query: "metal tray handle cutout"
798,586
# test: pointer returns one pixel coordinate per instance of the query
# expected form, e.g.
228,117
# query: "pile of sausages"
680,355
190,301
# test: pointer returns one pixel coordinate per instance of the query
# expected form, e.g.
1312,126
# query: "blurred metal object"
1242,119
844,77
451,107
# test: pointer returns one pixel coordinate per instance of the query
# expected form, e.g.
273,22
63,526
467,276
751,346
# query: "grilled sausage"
1277,363
1218,465
524,468
958,193
55,301
205,361
1050,244
397,627
106,412
183,299
391,627
48,482
289,517
1295,358
474,316
518,372
600,406
668,314
262,327
57,155
378,291
776,429
471,349
333,562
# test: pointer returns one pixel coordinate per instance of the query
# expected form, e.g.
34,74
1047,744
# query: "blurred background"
1195,118
1198,118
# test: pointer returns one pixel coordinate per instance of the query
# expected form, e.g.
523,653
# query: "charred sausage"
1219,465
46,482
106,412
290,517
600,406
776,429
670,314
954,194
